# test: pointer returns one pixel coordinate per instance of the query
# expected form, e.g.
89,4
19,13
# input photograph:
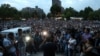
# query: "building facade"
38,12
56,2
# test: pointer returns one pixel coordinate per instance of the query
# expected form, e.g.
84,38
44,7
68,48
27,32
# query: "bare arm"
88,49
42,43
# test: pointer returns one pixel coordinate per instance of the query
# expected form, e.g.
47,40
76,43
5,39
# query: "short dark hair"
11,34
1,35
19,30
50,37
88,29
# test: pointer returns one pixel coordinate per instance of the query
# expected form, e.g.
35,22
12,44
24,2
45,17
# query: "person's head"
36,33
72,36
19,31
11,35
50,38
1,36
98,34
86,30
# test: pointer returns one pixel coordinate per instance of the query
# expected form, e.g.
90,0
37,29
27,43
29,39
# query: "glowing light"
27,38
45,33
16,41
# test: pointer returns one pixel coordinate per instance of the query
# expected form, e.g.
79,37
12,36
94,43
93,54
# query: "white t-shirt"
72,43
6,43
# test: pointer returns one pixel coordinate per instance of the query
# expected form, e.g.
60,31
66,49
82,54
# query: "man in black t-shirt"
48,47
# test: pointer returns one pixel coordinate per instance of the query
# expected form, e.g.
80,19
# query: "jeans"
22,51
68,51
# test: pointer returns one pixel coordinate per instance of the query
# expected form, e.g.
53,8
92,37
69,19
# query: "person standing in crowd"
97,41
30,48
86,35
1,51
37,40
21,43
48,47
58,36
71,46
62,43
9,45
1,45
66,38
88,49
1,40
67,35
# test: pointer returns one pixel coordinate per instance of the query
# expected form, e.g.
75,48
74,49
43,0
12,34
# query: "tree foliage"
88,13
49,15
55,9
87,10
70,12
6,11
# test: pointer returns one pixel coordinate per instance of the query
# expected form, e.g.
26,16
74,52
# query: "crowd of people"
70,38
50,24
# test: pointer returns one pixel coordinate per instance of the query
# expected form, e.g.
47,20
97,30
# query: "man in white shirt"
9,45
71,46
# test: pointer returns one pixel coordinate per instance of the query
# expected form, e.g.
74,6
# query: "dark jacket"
49,49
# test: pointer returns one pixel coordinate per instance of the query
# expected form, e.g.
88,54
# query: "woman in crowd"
88,49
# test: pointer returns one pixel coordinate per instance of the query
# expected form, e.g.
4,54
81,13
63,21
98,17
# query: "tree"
70,12
87,10
6,11
49,15
43,16
97,14
55,9
91,16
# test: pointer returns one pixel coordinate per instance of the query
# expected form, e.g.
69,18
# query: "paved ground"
41,54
